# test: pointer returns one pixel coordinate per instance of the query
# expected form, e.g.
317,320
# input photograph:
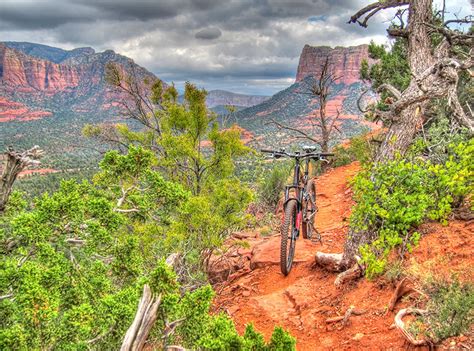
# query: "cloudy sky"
239,45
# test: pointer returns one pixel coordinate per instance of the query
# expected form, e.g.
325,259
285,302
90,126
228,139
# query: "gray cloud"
208,33
258,46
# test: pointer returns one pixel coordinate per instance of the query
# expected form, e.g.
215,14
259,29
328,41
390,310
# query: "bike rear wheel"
289,233
309,210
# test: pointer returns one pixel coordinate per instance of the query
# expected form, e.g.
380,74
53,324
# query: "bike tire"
288,234
309,210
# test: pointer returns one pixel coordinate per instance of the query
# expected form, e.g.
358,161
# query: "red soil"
11,111
38,171
302,301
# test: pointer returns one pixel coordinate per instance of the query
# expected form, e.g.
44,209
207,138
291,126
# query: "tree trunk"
406,120
420,57
402,131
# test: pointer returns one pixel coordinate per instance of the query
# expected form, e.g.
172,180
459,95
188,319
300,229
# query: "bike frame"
297,184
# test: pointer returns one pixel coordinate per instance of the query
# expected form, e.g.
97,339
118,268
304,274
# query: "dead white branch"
145,317
15,163
401,325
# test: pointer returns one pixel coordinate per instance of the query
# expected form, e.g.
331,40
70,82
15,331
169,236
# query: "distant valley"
48,94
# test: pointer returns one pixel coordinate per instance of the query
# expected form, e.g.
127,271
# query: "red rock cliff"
344,61
25,73
76,83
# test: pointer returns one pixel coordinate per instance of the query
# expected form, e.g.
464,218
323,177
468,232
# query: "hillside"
222,97
56,80
48,94
295,105
303,302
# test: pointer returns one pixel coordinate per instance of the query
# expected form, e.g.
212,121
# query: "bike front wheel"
289,233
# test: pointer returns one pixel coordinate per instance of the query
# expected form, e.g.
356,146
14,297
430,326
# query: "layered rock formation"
344,62
45,78
27,74
296,107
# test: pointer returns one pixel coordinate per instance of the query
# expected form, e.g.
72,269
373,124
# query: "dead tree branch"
372,9
145,317
14,164
401,325
345,318
292,129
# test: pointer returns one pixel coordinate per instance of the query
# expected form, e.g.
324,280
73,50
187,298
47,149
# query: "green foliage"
272,184
437,137
193,145
395,197
205,221
391,67
75,264
281,341
359,149
450,309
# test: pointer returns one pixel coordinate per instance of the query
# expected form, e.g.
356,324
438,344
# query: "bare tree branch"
391,89
373,8
14,164
299,131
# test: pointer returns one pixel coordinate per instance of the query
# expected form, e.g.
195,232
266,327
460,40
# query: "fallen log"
330,261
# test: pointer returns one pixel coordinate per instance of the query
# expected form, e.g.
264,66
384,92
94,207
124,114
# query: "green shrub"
76,261
450,309
359,149
272,184
393,198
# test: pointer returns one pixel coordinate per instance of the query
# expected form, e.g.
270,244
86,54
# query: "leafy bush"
272,184
450,309
359,149
438,136
74,264
393,198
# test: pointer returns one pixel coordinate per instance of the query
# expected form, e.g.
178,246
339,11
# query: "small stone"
233,309
246,293
358,336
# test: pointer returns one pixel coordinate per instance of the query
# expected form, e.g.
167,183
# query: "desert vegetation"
165,241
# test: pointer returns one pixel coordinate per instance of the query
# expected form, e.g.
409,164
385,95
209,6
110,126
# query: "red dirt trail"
302,301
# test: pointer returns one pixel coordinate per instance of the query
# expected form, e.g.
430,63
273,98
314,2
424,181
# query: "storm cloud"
208,33
240,45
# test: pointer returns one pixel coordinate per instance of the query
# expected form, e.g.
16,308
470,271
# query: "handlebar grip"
326,154
267,151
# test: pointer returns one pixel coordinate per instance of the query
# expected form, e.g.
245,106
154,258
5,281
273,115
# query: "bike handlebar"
319,155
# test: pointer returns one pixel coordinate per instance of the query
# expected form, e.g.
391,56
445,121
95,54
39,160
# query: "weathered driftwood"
352,273
15,163
400,325
145,317
330,261
334,262
402,289
345,318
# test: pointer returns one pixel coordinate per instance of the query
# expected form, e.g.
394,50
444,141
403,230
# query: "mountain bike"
299,207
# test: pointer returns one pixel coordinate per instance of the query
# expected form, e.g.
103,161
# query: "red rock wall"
344,62
28,74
